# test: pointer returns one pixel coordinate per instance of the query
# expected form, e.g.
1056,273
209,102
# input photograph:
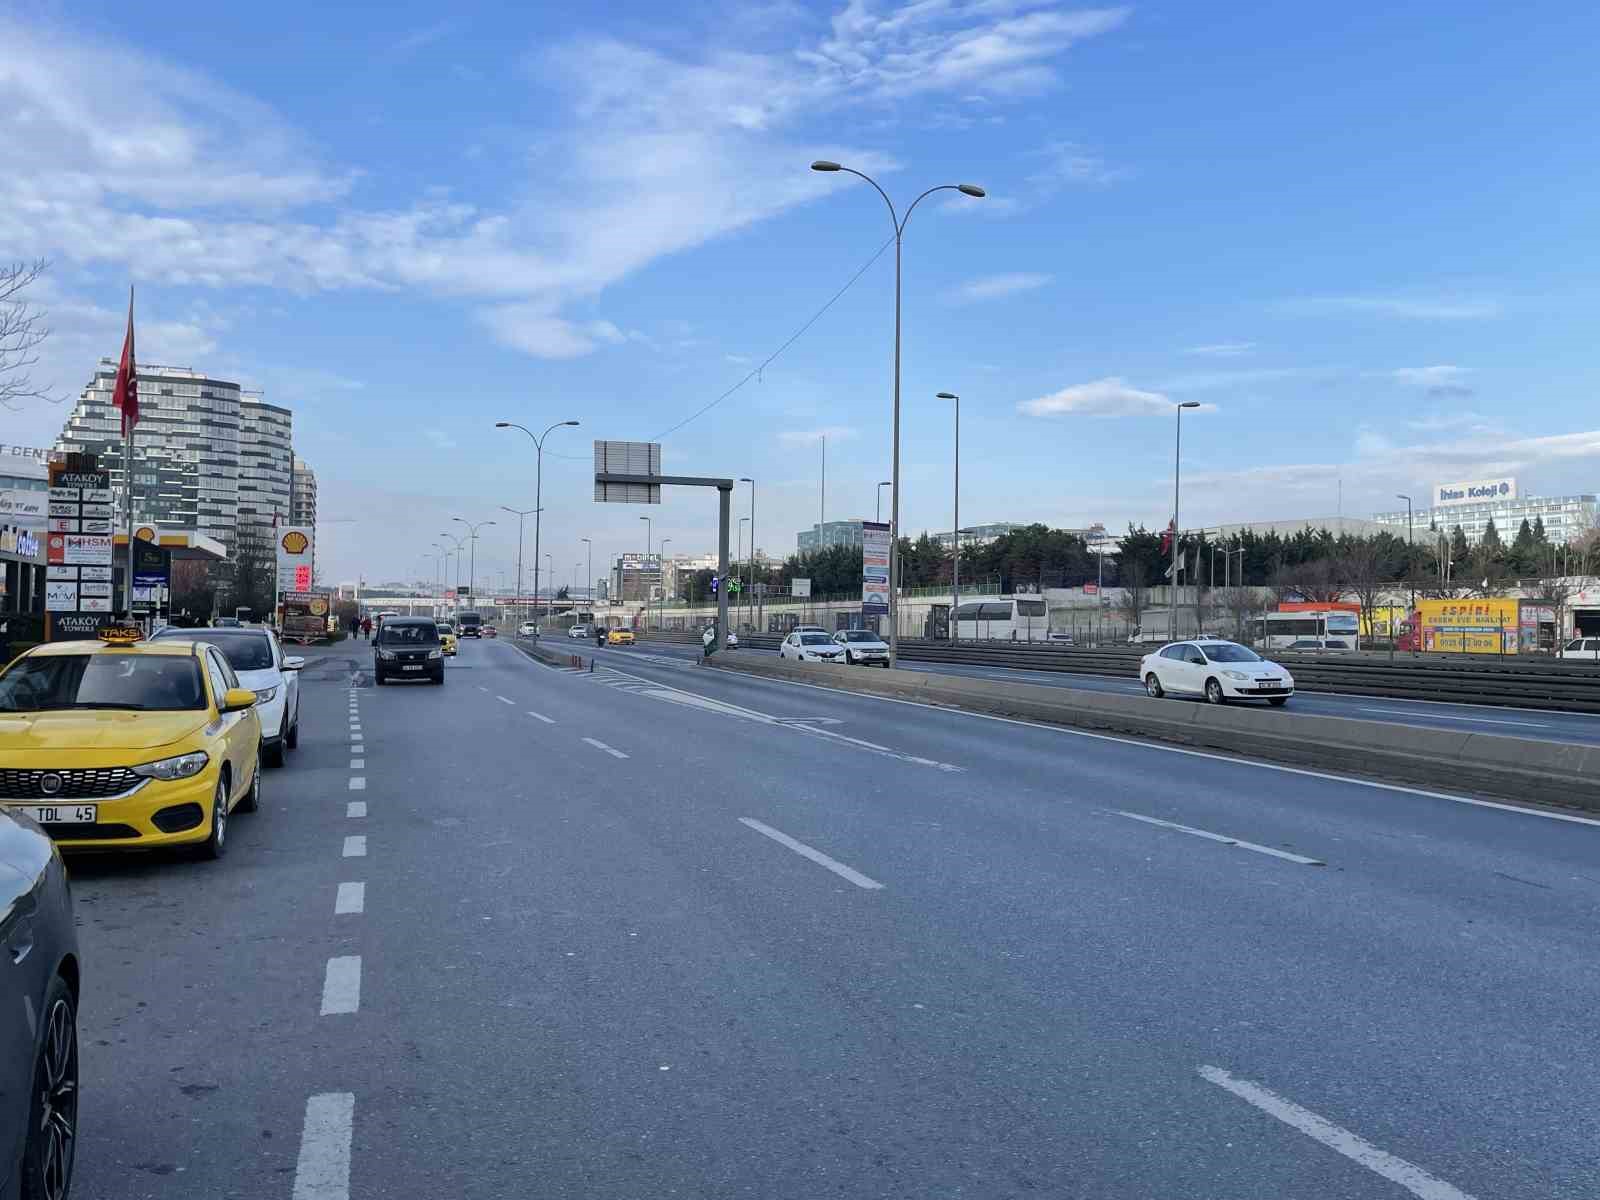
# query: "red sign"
1089,589
302,579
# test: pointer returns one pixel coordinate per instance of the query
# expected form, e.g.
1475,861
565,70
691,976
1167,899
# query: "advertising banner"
60,597
874,568
1485,626
78,551
800,588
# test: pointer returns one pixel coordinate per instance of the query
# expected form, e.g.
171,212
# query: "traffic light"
715,584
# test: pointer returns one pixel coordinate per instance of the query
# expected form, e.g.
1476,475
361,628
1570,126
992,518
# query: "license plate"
412,667
58,814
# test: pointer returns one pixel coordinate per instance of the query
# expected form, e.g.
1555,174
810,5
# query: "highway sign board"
627,458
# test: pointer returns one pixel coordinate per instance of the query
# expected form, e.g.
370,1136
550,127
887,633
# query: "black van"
470,624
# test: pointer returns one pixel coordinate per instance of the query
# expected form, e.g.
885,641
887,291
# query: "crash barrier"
1521,682
1553,773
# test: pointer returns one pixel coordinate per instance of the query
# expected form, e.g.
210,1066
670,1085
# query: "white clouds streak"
997,287
1222,349
1109,397
1404,307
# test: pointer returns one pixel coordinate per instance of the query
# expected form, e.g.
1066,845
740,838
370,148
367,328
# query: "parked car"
407,648
810,647
1217,670
1581,648
731,642
128,744
1145,637
1061,637
257,658
528,629
39,999
863,646
1311,645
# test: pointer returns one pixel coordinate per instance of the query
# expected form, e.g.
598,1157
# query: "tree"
1313,579
254,582
1365,566
22,331
1239,603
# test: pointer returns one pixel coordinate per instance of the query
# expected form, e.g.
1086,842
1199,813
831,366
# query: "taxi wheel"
216,843
251,800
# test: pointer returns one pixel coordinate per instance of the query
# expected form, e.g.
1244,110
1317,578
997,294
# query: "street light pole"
899,223
645,567
538,489
661,621
589,587
955,564
520,512
750,601
877,512
459,542
1177,452
472,573
550,605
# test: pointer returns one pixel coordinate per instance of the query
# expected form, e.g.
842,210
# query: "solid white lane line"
341,986
358,783
1354,1147
323,1169
541,717
1400,712
356,808
355,846
352,898
816,856
1223,838
599,745
1224,758
358,764
503,700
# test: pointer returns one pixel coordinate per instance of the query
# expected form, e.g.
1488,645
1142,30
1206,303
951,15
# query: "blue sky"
1361,236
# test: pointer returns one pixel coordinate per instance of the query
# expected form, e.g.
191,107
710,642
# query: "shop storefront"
24,509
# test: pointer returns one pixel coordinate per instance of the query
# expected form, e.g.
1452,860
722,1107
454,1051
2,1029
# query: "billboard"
1485,626
1475,491
297,557
874,568
78,575
639,459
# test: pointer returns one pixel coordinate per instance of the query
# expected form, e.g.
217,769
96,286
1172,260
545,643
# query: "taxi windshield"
161,682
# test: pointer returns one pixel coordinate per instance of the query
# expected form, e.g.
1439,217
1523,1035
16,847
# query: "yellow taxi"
619,637
128,744
447,642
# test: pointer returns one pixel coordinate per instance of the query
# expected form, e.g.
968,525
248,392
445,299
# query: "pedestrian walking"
366,628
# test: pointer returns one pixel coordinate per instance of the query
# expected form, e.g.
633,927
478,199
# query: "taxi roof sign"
121,635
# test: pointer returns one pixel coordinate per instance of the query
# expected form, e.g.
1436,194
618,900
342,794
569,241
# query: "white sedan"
811,647
1215,669
527,630
863,646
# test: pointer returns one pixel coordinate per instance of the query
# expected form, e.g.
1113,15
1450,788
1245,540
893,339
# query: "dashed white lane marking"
354,728
599,745
1400,712
358,764
1354,1147
1223,838
355,846
341,986
358,783
504,700
356,808
481,688
541,717
816,856
323,1169
352,898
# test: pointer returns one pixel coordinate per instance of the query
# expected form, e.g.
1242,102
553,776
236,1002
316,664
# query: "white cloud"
995,287
1110,397
834,433
1222,349
1443,381
534,329
440,438
1407,307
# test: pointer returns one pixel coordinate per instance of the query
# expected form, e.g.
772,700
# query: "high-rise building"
829,533
303,495
266,460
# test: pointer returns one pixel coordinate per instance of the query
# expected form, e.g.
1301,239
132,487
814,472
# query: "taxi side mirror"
235,699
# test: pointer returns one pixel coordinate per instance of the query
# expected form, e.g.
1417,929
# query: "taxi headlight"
182,766
1239,675
264,695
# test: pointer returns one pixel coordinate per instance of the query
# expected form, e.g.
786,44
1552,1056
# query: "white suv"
257,659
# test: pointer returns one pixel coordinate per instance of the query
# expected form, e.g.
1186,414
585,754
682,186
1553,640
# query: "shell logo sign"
295,542
145,534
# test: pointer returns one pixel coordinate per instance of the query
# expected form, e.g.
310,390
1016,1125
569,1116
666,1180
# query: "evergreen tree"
1539,535
1458,545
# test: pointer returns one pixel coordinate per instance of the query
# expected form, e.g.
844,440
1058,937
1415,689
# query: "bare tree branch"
22,330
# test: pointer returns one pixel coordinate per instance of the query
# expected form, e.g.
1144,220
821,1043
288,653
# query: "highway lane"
1515,722
618,936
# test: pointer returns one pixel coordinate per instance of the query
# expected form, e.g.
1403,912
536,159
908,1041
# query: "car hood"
1264,669
864,646
91,729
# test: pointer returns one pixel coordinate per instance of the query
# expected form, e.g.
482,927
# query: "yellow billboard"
1485,626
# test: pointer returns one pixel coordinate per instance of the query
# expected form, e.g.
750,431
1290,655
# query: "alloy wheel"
58,1100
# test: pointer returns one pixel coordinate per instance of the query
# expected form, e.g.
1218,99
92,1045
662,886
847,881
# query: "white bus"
1275,631
1003,619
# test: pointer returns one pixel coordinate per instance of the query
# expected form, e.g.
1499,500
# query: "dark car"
38,1013
471,623
407,648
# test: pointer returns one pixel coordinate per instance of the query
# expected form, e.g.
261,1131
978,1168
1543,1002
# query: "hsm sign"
1476,492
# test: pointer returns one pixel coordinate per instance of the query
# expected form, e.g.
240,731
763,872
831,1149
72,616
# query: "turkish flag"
126,396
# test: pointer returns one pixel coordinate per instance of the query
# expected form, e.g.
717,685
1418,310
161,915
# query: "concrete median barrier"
1548,773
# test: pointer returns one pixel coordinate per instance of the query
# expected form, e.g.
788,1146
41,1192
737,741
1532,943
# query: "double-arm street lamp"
899,223
520,513
750,575
472,570
661,620
1172,592
955,562
459,543
538,490
1412,575
590,585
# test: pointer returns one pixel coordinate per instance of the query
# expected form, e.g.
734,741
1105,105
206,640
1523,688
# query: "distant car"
1061,638
619,637
447,642
710,632
227,623
1217,670
810,647
407,648
1141,637
1581,648
1311,645
580,631
469,623
863,646
528,629
258,659
445,624
39,997
808,629
490,631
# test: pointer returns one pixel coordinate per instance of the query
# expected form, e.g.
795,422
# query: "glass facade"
1564,517
303,495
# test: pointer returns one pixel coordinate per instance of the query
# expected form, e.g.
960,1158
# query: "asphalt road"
1538,724
653,931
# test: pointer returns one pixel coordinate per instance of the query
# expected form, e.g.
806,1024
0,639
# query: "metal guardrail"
1521,682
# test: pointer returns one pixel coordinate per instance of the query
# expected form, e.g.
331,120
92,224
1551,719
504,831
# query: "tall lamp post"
1172,593
750,575
520,513
550,586
538,488
459,543
590,586
955,564
472,571
877,513
661,608
899,223
1410,574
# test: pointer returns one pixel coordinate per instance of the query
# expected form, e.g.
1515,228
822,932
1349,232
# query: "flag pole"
130,418
128,477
